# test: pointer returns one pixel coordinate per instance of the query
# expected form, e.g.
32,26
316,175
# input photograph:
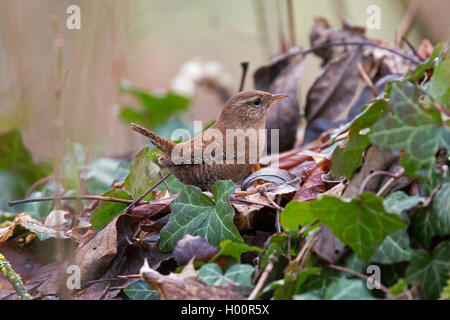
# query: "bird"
228,150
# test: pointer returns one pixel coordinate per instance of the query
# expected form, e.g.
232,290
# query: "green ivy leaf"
292,284
395,248
142,174
398,201
347,159
438,87
430,270
436,56
295,214
416,131
361,223
107,210
234,249
427,224
238,274
196,214
347,289
140,290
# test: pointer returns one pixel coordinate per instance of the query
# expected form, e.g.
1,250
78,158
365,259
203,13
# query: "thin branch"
410,45
36,184
252,202
262,280
307,227
367,79
244,66
377,173
360,275
132,205
361,43
82,197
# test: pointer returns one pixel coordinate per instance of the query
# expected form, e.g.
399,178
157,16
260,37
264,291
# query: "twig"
377,173
308,245
361,43
307,227
253,202
428,200
262,280
244,66
359,275
14,279
83,197
367,79
36,184
133,204
165,183
409,44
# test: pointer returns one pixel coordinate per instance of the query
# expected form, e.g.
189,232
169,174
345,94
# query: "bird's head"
247,107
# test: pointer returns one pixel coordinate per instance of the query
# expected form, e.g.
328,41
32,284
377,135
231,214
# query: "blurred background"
62,86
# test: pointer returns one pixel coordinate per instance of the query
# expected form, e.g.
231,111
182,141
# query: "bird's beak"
277,97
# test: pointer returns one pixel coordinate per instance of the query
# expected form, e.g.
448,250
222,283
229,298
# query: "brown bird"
229,149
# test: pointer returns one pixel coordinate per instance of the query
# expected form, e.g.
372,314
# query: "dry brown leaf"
186,286
282,75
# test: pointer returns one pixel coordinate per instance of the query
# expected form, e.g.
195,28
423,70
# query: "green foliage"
361,223
398,202
409,127
234,249
154,109
107,210
346,159
427,225
140,290
291,285
347,289
238,274
430,270
395,248
143,174
196,214
17,169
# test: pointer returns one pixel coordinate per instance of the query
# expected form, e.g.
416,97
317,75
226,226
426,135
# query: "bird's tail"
161,143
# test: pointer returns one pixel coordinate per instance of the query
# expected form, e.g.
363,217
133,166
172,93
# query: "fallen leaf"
186,286
282,75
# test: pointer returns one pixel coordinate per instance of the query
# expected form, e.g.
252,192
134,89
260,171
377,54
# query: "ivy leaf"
441,210
346,159
107,210
296,214
347,289
438,86
427,224
395,248
436,56
361,223
196,214
142,174
238,274
234,249
155,108
431,270
140,290
398,201
406,126
292,283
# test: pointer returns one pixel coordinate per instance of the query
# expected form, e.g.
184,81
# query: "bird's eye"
257,101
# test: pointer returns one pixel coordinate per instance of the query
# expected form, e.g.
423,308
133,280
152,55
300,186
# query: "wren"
229,149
